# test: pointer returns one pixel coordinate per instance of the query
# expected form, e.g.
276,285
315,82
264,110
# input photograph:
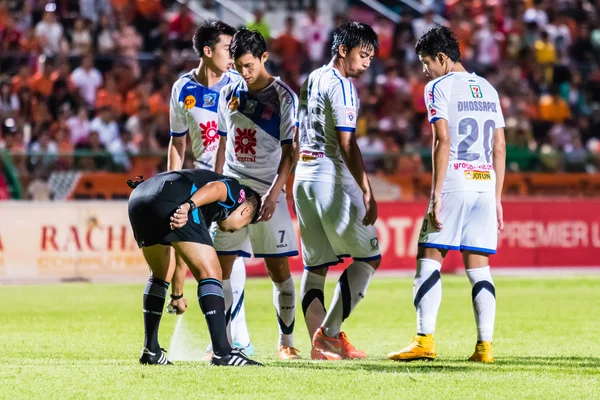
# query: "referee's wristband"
193,205
173,297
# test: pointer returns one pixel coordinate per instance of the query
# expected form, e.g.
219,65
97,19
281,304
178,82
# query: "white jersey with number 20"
471,106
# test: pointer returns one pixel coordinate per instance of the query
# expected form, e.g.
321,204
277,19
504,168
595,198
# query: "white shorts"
330,218
468,223
273,238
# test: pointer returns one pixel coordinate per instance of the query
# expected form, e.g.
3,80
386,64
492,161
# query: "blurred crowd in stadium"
96,75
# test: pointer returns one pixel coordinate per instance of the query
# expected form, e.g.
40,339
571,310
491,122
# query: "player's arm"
212,192
222,130
344,106
287,129
179,130
441,155
220,158
437,110
354,161
499,160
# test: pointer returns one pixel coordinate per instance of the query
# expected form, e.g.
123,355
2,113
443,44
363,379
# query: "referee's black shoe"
157,358
236,358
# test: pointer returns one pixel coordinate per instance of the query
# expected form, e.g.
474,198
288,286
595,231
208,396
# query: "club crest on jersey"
209,100
242,196
350,116
250,106
189,102
374,244
432,111
478,175
476,91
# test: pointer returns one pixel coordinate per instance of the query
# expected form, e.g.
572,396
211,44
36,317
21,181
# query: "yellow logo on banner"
478,175
189,102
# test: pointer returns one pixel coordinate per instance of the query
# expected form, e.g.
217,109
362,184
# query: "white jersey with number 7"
471,106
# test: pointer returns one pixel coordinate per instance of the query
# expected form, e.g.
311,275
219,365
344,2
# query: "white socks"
427,294
284,299
239,329
311,291
484,301
228,296
350,290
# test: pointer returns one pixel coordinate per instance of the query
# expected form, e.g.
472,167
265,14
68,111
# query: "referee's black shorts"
151,206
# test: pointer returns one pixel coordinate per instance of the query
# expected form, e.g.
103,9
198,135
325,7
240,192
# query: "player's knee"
375,263
279,269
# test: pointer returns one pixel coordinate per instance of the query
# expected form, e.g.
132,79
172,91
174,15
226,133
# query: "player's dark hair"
354,34
253,199
439,39
208,35
246,41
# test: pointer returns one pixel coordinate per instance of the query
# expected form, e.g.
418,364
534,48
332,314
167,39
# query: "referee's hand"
180,217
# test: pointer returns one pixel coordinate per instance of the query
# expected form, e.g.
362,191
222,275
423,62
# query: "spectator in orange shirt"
20,80
110,97
554,108
136,97
288,47
41,82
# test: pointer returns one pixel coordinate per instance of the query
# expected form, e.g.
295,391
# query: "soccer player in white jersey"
334,200
257,117
193,112
465,211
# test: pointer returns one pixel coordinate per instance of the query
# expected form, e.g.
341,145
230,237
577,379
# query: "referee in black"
175,209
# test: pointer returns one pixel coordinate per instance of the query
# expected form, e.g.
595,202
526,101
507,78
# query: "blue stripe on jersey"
195,214
439,246
345,129
432,120
433,87
203,97
179,134
222,133
478,249
287,141
253,109
341,83
234,90
351,93
290,92
228,195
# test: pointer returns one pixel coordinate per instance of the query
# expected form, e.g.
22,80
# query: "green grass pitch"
77,341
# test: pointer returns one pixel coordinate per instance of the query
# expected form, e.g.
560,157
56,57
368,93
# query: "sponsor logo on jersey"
432,111
478,175
242,196
234,103
465,165
245,143
430,95
209,100
250,106
476,91
307,156
350,116
208,133
374,244
189,102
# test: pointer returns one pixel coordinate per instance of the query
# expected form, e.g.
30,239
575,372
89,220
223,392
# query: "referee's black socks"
212,304
154,301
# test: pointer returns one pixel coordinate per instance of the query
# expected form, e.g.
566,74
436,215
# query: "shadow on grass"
451,365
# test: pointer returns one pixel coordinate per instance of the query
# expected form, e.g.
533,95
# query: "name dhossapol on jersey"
477,105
